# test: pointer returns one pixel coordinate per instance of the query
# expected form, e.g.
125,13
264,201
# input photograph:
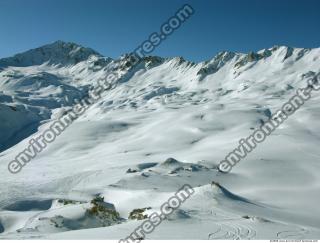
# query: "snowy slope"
164,107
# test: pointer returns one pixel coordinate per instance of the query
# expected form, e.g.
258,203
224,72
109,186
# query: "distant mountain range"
193,113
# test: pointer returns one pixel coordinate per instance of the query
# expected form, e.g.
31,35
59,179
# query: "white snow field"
164,108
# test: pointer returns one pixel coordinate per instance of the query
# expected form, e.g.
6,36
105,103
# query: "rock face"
251,57
215,64
139,213
102,213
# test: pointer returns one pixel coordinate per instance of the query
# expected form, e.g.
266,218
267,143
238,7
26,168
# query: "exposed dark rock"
138,213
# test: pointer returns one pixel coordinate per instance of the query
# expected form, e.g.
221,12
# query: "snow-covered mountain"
162,108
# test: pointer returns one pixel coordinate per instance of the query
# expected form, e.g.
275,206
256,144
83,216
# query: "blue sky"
114,27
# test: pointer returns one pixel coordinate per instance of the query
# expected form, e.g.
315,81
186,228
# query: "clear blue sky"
114,27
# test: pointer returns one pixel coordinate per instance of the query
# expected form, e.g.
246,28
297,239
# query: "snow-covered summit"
57,53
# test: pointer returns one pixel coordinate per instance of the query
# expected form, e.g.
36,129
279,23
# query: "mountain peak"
56,53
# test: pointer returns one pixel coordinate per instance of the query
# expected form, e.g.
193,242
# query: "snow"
165,108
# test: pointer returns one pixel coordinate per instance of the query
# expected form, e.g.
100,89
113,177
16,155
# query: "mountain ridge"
60,51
